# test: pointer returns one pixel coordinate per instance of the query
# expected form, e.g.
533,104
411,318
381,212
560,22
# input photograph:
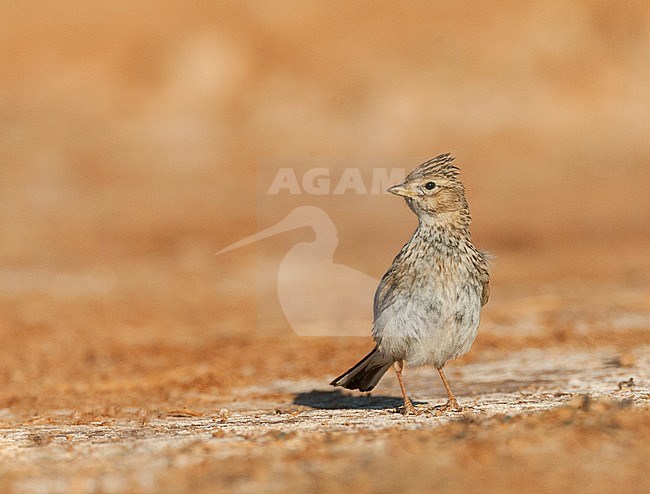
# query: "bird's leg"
398,365
451,403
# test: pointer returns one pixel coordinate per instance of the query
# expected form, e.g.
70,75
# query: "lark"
428,304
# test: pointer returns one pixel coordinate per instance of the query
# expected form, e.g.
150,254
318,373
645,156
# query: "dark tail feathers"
366,374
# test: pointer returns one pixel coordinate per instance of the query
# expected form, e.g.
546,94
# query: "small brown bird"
427,306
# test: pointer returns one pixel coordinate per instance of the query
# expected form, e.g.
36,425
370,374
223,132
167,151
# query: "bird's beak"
400,190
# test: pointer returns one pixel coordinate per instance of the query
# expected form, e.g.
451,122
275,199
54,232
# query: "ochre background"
133,136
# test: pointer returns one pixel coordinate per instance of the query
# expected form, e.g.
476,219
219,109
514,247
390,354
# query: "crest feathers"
440,165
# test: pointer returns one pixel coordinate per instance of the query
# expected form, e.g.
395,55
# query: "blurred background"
133,135
137,140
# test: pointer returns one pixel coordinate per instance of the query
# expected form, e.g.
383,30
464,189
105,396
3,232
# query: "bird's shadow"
335,400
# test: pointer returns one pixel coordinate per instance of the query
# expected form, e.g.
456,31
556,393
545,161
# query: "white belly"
430,325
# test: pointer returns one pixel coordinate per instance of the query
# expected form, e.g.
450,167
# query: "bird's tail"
365,375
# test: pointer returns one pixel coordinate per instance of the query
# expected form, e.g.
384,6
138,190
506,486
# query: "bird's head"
433,188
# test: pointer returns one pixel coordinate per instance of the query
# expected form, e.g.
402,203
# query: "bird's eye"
430,185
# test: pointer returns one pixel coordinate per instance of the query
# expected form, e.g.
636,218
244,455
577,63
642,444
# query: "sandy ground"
139,138
555,392
532,409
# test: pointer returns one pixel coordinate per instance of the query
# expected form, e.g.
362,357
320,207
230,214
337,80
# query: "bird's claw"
408,408
451,406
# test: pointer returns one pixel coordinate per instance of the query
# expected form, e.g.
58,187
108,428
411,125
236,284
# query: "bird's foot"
408,408
451,406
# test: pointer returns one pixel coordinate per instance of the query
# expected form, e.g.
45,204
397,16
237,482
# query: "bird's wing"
484,277
485,295
385,294
387,290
